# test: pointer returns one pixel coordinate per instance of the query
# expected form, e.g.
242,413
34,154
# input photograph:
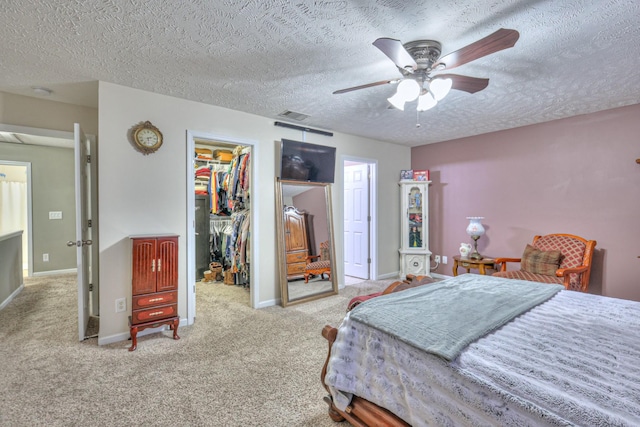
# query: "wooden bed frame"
361,412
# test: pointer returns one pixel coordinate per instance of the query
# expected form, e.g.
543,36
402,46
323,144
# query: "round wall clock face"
147,138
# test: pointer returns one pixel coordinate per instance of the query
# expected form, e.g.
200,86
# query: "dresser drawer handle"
156,313
156,299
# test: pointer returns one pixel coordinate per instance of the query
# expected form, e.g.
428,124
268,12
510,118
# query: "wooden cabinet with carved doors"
296,241
154,284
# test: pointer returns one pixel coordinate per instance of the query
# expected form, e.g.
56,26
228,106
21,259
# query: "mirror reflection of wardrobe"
305,240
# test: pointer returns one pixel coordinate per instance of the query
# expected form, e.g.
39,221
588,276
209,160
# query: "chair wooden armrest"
311,257
503,262
565,273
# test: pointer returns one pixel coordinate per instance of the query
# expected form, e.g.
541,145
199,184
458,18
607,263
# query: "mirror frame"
284,288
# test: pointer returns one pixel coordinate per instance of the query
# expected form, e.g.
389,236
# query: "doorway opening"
360,256
220,215
15,206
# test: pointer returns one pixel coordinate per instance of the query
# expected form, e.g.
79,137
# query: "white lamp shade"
409,89
426,101
397,101
475,227
440,88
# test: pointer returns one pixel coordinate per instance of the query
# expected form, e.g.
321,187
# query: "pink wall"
577,175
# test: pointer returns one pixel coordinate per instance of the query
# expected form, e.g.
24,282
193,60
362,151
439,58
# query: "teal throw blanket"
444,317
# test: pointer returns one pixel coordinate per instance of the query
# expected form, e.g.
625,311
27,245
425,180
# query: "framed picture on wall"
406,175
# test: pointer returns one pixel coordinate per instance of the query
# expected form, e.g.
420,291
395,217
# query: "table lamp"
475,230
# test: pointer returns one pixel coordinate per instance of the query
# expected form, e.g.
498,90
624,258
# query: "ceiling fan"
418,60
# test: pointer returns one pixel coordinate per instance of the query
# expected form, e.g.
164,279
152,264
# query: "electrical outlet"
45,257
121,305
444,259
55,215
436,258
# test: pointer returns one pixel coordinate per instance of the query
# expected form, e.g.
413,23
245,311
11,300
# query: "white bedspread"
573,360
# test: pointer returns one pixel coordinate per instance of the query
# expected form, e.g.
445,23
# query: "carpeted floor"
235,366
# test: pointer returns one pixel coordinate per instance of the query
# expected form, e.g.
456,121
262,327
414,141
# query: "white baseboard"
12,296
393,275
54,272
269,303
440,276
124,336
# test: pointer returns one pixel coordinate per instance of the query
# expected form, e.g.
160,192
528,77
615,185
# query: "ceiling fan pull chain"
417,118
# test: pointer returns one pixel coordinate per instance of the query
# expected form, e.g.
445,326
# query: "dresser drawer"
153,300
296,268
296,257
155,313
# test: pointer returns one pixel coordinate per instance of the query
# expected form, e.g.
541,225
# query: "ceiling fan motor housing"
424,52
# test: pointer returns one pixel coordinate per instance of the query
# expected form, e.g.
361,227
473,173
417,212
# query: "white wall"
147,194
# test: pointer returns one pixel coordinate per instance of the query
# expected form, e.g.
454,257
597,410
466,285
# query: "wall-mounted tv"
302,161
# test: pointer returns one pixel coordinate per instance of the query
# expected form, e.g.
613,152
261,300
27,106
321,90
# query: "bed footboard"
361,412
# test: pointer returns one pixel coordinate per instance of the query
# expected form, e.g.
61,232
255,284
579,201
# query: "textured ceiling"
265,57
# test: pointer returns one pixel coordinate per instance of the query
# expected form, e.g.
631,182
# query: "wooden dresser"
154,284
296,240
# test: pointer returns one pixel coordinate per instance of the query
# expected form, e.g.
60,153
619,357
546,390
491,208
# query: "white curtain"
13,212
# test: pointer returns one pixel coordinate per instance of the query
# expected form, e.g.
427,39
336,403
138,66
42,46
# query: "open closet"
222,212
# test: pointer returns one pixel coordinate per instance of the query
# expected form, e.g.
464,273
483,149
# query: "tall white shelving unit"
415,257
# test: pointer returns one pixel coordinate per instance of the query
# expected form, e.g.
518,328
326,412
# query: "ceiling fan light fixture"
409,89
440,88
426,102
397,101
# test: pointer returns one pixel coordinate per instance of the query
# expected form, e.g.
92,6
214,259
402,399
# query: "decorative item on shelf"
406,174
475,230
465,250
421,175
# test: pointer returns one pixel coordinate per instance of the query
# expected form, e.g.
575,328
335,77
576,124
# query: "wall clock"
146,137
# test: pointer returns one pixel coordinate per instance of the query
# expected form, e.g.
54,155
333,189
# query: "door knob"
72,243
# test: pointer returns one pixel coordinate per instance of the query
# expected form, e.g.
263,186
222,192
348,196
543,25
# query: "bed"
504,352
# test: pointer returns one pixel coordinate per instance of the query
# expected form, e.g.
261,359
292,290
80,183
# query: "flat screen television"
302,161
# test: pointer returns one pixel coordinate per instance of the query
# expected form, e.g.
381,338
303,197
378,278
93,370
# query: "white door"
83,240
356,221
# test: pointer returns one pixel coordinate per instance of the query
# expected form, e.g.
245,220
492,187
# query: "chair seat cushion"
525,275
318,265
537,261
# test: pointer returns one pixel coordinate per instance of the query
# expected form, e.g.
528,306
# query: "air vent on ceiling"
293,115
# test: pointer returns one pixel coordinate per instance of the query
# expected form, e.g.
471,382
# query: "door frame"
191,228
29,230
373,197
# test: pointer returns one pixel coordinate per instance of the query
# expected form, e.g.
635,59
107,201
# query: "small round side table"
479,264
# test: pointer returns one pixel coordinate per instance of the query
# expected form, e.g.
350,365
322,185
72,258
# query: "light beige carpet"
235,366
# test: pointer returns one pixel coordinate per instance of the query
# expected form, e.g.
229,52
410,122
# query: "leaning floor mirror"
305,241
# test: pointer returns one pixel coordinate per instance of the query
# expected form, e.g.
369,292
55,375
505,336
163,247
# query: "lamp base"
475,254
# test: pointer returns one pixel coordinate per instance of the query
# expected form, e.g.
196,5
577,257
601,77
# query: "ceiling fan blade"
396,52
501,39
382,82
465,83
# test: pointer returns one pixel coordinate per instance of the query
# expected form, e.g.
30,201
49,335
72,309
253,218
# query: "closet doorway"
359,218
220,216
15,206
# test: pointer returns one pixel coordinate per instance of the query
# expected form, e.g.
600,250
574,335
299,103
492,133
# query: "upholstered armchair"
321,266
553,258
